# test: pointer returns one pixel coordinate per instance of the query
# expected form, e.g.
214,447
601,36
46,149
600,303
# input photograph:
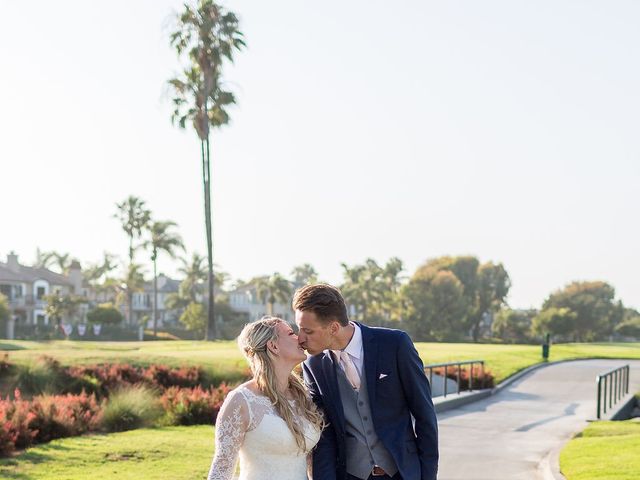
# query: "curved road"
508,435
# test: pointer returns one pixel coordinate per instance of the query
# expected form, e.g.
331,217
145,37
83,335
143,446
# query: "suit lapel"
330,375
370,362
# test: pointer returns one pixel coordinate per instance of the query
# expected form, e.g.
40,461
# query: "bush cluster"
45,375
69,401
193,406
26,422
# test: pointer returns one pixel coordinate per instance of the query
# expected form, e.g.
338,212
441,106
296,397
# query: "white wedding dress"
249,427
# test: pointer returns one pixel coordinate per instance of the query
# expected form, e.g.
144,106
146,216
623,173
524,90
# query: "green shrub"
42,376
105,314
131,407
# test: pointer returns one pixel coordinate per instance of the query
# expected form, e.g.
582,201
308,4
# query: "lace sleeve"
231,425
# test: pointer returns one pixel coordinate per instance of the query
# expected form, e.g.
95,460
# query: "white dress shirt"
354,349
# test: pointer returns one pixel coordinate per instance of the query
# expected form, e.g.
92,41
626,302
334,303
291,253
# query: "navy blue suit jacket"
403,392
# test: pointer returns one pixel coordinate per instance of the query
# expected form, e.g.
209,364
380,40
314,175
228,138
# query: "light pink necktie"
350,370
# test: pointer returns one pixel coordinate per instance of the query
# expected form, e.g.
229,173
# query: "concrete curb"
549,467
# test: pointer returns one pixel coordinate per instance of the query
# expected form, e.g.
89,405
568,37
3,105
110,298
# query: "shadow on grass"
11,346
29,457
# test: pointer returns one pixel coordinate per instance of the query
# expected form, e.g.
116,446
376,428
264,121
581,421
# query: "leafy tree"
105,314
273,289
435,306
556,321
207,35
594,307
162,239
512,326
629,327
194,317
485,286
304,274
4,312
134,219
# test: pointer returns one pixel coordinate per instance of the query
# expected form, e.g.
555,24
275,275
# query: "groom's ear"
334,327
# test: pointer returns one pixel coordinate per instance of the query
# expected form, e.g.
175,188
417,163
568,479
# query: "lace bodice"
249,427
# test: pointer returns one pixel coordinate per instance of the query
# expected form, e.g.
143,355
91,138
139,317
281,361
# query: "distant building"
245,299
26,289
142,303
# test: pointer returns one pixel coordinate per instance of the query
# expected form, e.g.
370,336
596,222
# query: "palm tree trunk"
211,333
129,292
155,299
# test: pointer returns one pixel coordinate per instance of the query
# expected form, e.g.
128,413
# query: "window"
40,293
6,291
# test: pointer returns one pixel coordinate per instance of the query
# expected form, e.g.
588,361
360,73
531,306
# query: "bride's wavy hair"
253,342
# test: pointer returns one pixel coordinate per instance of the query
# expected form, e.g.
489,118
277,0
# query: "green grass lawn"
223,359
176,453
604,450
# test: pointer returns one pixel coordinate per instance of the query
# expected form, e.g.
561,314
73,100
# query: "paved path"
507,436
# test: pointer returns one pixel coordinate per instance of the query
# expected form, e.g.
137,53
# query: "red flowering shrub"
106,378
26,422
481,378
16,417
165,377
193,406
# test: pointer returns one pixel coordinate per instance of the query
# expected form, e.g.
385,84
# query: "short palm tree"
134,218
304,274
207,34
273,289
124,288
161,239
195,275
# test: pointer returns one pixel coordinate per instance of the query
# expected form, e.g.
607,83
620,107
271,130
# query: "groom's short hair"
324,300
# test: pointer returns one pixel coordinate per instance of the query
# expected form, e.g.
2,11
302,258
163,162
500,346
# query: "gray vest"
364,448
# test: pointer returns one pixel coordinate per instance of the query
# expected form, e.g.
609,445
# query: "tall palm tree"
273,289
134,218
208,35
162,239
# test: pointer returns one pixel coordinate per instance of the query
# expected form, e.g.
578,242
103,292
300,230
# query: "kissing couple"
363,412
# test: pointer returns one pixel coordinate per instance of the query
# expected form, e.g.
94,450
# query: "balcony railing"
27,301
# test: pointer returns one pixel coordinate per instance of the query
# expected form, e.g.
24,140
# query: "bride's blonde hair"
253,342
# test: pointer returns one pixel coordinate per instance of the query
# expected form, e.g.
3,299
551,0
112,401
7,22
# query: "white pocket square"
382,375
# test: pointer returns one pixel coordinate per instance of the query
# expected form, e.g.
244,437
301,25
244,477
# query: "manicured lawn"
604,450
223,359
176,453
505,360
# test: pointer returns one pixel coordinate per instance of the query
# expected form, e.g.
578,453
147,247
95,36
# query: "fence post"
599,380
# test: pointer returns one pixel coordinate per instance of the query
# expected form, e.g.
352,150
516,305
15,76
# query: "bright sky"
503,129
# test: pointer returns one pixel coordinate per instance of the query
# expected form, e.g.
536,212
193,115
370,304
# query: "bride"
269,422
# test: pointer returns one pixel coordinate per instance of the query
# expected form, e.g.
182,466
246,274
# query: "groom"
371,385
